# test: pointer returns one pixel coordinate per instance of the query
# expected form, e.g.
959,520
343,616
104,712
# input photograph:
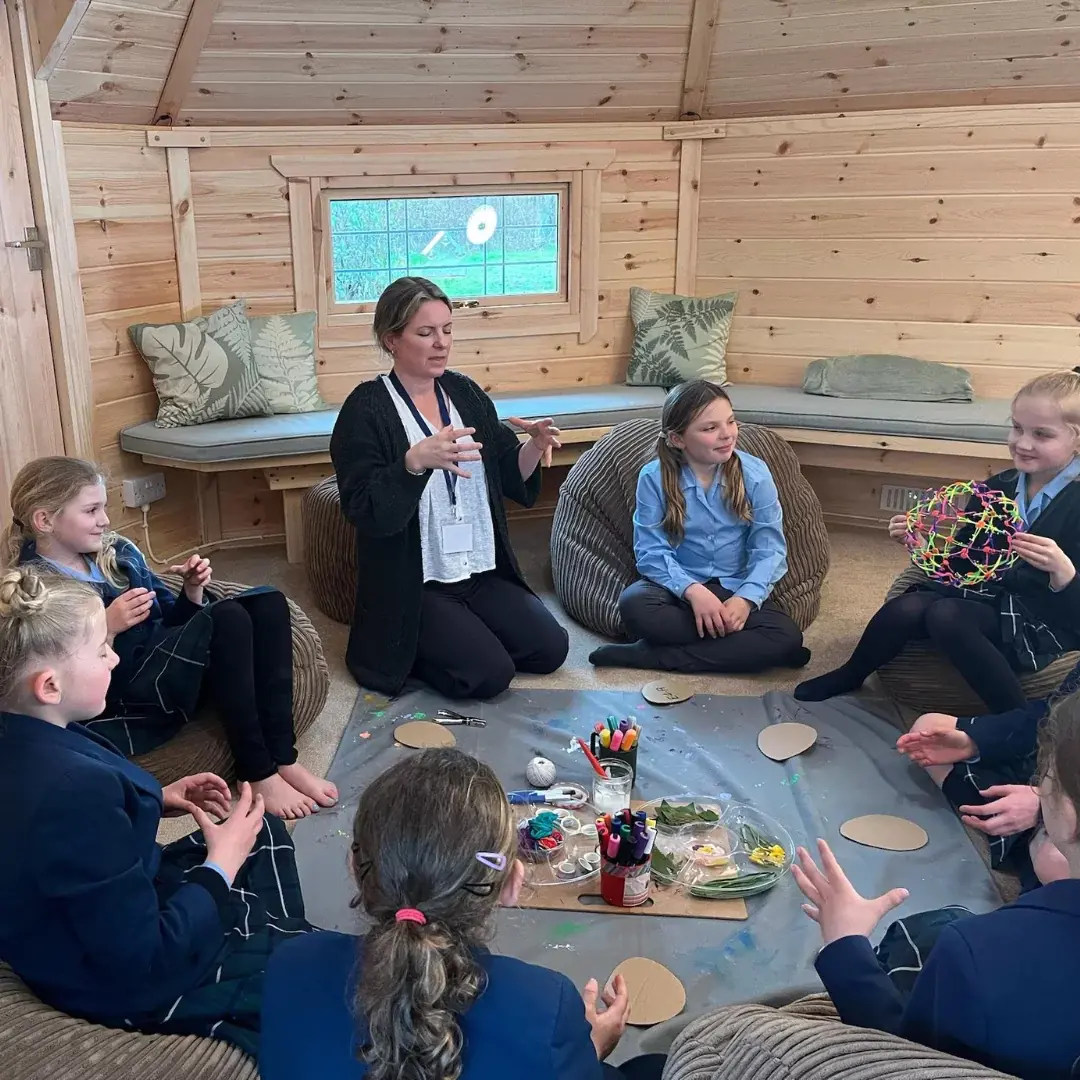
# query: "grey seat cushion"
984,420
309,433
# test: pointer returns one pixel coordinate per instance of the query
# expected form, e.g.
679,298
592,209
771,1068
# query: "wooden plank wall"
123,231
952,235
807,56
122,204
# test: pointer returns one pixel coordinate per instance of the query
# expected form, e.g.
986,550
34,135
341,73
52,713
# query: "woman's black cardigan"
381,498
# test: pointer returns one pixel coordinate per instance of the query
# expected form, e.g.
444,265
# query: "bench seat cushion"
984,420
309,433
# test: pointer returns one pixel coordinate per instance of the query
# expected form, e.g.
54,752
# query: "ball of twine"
960,534
540,772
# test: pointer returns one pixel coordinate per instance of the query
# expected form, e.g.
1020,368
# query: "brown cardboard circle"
886,832
423,735
666,692
655,994
783,741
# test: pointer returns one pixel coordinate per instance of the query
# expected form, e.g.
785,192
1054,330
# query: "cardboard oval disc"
423,735
655,994
783,741
886,832
666,692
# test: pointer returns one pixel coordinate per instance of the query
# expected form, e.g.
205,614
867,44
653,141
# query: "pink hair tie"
410,914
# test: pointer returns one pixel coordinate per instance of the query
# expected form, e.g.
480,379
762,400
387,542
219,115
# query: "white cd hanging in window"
481,226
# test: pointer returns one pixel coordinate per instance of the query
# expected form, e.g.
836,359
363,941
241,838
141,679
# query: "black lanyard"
444,415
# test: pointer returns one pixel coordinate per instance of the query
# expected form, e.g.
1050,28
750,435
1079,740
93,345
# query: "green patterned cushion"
203,369
678,338
284,349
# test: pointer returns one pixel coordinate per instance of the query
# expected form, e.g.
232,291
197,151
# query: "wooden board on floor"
663,900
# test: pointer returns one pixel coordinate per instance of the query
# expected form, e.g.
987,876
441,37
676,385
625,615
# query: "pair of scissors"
571,796
448,717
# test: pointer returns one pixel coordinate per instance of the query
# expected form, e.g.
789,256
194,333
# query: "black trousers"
666,622
643,1067
474,634
249,681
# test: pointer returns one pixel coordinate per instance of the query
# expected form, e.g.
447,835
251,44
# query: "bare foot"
322,791
281,798
927,748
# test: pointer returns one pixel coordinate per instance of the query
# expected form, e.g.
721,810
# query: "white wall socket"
140,490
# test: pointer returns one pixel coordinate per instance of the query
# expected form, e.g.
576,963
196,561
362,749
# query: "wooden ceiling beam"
196,31
53,23
698,54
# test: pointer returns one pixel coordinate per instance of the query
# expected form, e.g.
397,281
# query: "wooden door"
29,405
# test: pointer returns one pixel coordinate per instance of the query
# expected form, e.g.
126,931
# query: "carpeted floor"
864,563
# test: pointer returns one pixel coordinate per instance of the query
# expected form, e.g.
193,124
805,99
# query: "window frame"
554,302
315,179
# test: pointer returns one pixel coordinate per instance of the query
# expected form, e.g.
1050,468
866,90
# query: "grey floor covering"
705,746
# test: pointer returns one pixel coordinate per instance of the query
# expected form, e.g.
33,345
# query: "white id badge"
457,538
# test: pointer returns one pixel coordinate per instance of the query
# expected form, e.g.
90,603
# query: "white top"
436,510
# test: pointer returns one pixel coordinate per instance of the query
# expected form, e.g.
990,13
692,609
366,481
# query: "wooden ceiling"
253,62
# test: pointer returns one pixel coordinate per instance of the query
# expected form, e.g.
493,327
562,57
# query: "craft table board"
666,901
704,746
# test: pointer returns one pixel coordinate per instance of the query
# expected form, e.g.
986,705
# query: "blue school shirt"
528,1023
747,557
998,988
1029,511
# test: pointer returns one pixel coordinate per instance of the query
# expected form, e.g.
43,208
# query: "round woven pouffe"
923,679
329,551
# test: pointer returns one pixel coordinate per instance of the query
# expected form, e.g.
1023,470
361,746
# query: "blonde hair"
41,618
50,483
681,408
1062,388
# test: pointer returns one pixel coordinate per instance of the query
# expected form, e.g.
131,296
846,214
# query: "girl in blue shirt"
420,997
710,548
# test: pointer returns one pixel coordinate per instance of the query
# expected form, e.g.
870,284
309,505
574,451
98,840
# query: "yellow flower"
768,856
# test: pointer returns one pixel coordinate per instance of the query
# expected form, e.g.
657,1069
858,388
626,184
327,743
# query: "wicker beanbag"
592,536
925,680
201,745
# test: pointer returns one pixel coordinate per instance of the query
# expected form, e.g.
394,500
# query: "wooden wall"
951,235
122,206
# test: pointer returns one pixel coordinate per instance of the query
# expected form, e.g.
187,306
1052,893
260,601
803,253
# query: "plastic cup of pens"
625,841
617,740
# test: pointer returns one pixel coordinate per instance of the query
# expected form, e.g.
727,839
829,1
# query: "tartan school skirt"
265,908
907,943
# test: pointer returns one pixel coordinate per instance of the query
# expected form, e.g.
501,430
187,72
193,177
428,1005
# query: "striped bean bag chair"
592,535
923,679
804,1041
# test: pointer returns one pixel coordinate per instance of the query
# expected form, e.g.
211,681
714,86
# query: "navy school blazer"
86,921
529,1023
1002,989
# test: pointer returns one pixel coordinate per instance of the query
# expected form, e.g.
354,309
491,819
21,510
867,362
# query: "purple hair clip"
493,860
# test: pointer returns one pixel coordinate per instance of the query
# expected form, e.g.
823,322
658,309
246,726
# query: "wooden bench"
919,439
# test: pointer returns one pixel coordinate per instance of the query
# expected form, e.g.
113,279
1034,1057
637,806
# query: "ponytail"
735,487
418,837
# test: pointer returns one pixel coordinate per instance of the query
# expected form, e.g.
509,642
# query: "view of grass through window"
472,246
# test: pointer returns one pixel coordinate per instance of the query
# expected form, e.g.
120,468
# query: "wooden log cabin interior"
871,176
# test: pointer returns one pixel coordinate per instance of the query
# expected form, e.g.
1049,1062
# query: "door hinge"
33,247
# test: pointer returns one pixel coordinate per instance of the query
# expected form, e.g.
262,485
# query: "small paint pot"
566,869
589,862
570,825
588,831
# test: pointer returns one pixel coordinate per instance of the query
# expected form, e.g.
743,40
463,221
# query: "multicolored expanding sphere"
960,533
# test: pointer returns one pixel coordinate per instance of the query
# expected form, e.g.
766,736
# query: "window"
483,246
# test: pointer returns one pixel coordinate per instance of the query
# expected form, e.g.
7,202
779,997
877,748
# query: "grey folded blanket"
892,378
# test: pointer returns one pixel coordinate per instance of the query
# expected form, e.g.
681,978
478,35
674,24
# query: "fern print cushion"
678,338
284,350
203,369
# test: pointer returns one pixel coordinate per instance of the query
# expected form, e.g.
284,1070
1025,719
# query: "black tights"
249,681
966,631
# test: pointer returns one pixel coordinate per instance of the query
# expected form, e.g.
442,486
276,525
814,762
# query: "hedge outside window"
483,246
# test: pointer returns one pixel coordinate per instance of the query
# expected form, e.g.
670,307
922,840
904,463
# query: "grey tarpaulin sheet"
705,746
